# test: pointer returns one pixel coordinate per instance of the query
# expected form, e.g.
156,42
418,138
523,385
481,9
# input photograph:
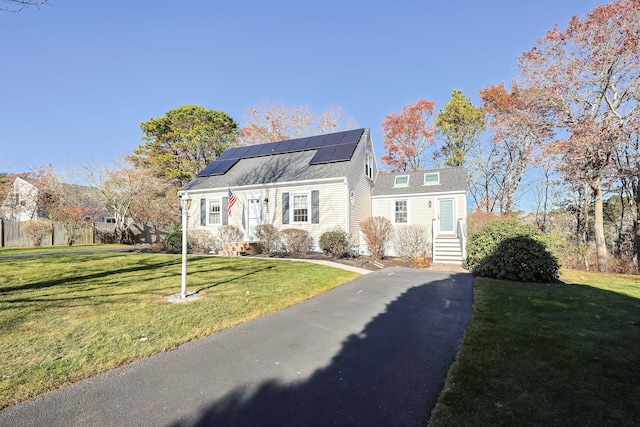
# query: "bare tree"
18,5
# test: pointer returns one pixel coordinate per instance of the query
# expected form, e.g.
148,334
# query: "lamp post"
185,204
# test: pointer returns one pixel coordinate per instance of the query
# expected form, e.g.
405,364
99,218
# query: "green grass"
548,355
68,317
45,249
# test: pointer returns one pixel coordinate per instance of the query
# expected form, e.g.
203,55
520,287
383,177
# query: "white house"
321,182
24,200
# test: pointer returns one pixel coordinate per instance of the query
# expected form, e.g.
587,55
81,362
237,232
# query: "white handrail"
462,235
433,238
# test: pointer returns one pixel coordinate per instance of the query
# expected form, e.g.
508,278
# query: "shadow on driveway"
389,374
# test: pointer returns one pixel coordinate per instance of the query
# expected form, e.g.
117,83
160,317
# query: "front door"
445,216
254,215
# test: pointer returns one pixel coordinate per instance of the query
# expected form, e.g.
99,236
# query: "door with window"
254,215
446,216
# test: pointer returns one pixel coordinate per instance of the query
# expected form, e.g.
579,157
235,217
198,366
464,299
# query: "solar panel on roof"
298,145
333,147
210,167
241,151
343,152
224,166
219,167
352,136
227,154
333,139
282,147
314,142
323,155
264,149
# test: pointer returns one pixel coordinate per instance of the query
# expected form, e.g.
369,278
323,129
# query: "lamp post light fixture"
185,204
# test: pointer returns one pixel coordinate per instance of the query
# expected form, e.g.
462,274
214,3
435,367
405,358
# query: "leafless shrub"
411,241
226,235
296,240
199,241
269,236
378,232
36,229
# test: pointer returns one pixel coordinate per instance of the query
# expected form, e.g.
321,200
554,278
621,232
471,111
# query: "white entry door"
254,215
446,217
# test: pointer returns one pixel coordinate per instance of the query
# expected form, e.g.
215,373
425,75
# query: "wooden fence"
11,235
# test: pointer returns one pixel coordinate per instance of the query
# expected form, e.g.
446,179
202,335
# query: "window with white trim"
301,208
431,178
401,181
214,216
368,165
401,212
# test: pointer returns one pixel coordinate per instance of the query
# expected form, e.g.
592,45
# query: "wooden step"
241,249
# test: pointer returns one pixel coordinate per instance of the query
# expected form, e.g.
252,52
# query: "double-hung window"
215,213
401,212
300,208
368,165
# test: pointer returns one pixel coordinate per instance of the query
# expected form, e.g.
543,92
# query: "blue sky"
78,77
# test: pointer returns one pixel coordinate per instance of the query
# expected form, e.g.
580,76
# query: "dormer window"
432,178
401,181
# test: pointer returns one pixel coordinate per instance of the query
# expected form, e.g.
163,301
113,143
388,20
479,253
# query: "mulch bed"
362,261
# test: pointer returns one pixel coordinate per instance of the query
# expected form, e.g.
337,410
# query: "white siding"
333,197
419,211
361,186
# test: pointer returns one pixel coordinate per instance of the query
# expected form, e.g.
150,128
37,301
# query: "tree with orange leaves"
592,70
407,136
521,121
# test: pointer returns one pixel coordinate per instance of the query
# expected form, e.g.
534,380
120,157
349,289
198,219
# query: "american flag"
232,201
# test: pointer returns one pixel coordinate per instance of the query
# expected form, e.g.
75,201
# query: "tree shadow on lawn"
388,374
96,296
144,265
551,354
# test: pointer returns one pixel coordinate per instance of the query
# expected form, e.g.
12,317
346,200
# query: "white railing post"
462,236
433,239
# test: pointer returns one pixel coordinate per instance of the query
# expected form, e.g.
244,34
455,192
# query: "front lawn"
22,250
548,355
68,317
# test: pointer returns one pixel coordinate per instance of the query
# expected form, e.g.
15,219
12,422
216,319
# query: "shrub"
335,242
511,250
227,234
36,230
173,242
378,232
269,236
411,241
296,240
199,241
476,220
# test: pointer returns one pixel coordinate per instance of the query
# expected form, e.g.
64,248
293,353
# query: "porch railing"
462,236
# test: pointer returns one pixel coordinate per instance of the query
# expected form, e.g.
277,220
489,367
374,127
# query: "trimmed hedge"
511,250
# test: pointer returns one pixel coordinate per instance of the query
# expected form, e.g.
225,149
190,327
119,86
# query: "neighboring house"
323,182
22,201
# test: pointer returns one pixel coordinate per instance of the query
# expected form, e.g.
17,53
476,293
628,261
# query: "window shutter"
225,211
285,208
315,207
203,211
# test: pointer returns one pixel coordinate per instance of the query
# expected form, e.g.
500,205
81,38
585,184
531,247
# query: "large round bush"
511,250
335,242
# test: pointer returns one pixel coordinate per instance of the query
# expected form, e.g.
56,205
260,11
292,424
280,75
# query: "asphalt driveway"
374,351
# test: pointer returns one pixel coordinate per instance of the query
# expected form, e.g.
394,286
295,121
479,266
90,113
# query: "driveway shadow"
389,374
